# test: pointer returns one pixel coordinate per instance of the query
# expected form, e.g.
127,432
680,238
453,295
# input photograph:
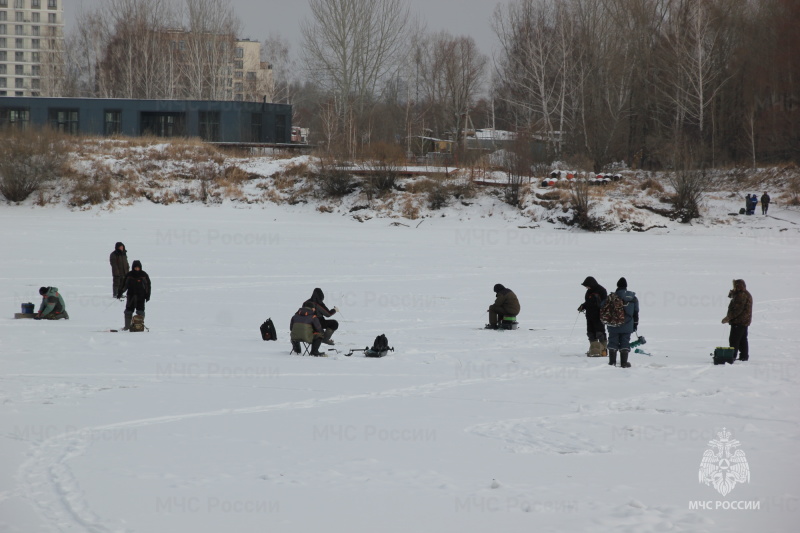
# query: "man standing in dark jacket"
137,285
595,295
119,267
505,304
740,314
317,303
619,337
765,199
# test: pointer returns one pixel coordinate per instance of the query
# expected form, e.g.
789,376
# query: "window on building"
35,83
280,128
19,29
3,3
36,4
3,55
35,57
163,124
52,18
255,127
19,83
112,122
3,29
4,15
19,16
209,126
238,74
2,42
238,98
251,76
238,65
19,4
36,17
3,82
238,87
15,116
3,69
240,52
3,93
19,70
36,70
19,57
19,43
52,4
35,31
64,120
35,44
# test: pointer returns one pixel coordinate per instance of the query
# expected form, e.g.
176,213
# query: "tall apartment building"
252,78
31,40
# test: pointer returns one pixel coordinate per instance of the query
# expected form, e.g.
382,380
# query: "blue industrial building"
212,121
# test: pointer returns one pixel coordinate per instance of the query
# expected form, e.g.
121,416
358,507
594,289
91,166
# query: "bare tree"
451,74
350,47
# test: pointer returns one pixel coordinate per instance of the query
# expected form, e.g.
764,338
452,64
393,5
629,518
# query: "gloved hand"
581,308
37,317
147,299
725,320
335,308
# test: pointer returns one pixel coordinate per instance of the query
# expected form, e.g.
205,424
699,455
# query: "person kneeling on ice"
137,285
317,303
619,337
306,327
505,304
595,295
53,306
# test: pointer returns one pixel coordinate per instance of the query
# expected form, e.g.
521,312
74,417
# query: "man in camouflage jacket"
740,314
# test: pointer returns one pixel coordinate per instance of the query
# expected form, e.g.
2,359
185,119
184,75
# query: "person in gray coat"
119,267
619,337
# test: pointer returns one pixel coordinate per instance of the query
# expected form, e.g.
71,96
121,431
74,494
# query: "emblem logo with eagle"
723,466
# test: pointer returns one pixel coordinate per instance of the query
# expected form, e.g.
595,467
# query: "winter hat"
43,290
116,246
589,282
136,263
622,283
498,288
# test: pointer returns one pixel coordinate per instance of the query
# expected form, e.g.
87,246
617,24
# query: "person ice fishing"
137,285
119,267
765,199
747,204
317,303
505,304
53,306
595,295
753,203
619,337
305,326
740,315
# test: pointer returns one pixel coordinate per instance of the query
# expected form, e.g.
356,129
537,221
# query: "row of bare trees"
653,82
656,83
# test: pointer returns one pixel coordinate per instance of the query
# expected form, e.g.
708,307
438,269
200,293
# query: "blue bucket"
27,308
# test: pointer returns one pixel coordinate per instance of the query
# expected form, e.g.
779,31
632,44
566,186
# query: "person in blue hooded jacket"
619,337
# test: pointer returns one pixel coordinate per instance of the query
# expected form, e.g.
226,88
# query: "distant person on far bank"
119,267
505,304
740,314
765,199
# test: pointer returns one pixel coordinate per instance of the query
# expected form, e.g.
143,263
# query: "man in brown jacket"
119,267
505,304
740,314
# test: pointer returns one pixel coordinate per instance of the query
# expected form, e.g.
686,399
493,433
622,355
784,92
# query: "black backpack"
268,331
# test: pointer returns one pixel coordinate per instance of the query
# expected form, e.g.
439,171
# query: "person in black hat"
119,267
595,295
619,337
137,285
317,303
53,306
505,304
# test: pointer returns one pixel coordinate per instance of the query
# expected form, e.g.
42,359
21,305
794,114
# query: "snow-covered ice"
199,426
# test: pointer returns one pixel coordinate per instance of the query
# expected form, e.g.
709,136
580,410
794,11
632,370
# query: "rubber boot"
623,354
327,337
315,348
612,357
127,322
604,353
595,349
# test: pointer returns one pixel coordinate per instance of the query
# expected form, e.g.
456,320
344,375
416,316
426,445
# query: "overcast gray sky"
262,17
